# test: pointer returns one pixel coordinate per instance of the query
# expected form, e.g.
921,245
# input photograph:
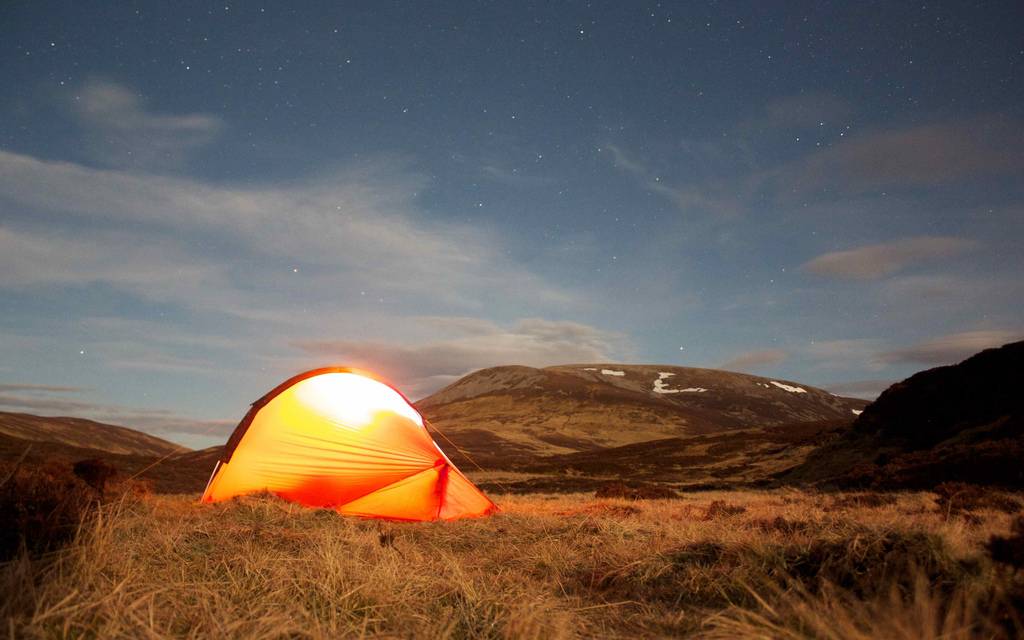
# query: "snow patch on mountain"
612,372
789,388
661,387
659,384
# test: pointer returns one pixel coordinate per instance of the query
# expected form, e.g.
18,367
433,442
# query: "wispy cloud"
425,367
155,268
866,389
46,403
752,360
850,353
879,260
949,349
363,222
121,132
625,162
158,421
721,197
938,153
245,270
723,175
39,388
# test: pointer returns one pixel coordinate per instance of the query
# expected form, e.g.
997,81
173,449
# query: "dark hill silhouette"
959,423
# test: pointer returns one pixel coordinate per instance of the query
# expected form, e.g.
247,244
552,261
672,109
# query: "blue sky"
199,200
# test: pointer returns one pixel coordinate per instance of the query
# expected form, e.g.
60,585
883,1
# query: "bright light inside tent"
352,400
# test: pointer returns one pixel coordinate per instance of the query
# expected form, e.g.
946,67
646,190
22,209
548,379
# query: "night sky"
198,200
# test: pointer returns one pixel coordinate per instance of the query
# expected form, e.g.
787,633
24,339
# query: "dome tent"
339,438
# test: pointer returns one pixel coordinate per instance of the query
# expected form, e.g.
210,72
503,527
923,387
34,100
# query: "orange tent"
341,439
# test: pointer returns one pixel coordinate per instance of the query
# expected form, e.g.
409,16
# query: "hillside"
182,472
78,432
37,441
730,459
509,415
963,422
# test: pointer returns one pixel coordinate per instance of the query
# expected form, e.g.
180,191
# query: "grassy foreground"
780,564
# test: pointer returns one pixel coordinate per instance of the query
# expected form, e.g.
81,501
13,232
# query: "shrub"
41,508
782,525
959,498
869,562
1009,549
95,473
722,509
861,500
638,492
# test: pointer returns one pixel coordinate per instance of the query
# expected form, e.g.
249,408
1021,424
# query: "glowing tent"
341,439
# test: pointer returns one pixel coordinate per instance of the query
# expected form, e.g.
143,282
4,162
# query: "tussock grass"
781,564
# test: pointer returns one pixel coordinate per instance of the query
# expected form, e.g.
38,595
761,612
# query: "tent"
341,439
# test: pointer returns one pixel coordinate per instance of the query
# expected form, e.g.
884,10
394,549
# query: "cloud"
121,132
46,403
361,223
876,261
721,197
39,388
852,353
949,349
957,297
866,389
726,175
848,348
242,271
623,161
925,155
940,288
154,269
755,360
423,368
156,421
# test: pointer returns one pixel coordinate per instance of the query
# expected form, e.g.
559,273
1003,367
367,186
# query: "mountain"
507,416
78,432
963,422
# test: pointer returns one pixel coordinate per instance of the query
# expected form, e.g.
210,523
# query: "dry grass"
781,564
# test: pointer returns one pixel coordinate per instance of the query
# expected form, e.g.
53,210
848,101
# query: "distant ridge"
87,434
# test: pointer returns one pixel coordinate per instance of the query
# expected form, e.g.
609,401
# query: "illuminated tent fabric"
340,439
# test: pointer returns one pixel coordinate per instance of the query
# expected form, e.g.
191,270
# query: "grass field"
778,564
